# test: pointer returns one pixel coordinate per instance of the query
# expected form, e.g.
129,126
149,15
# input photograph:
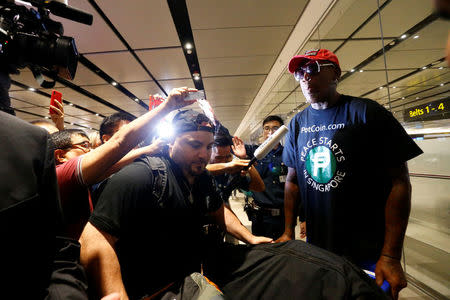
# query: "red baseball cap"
316,54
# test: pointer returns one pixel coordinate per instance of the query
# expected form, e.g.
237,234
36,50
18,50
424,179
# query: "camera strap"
40,79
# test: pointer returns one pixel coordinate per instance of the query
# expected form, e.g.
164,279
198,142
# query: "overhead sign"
435,110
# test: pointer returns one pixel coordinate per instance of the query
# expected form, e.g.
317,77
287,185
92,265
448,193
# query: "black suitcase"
291,270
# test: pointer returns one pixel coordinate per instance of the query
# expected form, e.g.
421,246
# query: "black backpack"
291,270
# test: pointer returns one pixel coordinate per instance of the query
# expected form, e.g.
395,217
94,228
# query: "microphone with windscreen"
260,153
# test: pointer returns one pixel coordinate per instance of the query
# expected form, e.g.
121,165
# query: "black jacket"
30,216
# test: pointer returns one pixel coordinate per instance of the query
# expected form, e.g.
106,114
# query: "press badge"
283,178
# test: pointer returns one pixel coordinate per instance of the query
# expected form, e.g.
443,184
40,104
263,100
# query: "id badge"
282,178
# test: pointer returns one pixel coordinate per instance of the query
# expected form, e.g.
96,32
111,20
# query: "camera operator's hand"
175,100
57,115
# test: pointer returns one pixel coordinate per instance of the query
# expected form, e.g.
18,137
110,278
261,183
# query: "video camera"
29,38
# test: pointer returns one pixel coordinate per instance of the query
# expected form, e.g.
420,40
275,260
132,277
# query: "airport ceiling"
240,48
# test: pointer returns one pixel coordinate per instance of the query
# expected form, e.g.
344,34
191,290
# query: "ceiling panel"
121,66
428,77
168,85
237,13
142,90
84,76
107,92
236,65
406,59
30,97
240,41
165,63
354,13
285,83
355,52
20,104
395,20
360,83
144,24
95,38
233,82
77,98
430,37
26,117
229,113
26,77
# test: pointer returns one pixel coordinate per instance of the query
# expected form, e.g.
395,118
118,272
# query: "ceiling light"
403,98
136,99
417,98
196,76
71,104
46,117
96,115
361,71
440,68
189,51
380,87
71,123
114,83
441,84
416,37
403,36
394,87
188,46
423,68
352,70
32,89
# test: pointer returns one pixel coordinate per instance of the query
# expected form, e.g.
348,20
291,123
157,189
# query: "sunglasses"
311,68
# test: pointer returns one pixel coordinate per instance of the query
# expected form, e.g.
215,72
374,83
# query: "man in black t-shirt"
145,230
347,163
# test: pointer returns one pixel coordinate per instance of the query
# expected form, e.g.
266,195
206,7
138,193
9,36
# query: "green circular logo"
321,164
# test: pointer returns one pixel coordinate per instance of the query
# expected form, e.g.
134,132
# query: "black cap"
190,120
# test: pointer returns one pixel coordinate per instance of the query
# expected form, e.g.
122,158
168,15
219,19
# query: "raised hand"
57,115
238,148
175,100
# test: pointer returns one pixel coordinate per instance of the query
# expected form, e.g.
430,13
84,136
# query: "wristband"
392,257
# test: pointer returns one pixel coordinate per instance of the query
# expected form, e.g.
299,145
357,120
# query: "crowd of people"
106,215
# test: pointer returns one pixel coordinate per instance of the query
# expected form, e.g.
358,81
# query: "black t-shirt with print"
158,237
341,156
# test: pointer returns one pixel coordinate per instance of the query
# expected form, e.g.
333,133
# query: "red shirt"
74,194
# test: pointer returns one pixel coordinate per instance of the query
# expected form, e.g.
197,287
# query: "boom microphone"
260,153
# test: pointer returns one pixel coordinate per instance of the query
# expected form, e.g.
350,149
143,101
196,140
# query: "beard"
197,168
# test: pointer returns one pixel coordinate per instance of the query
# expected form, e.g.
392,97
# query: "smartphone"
56,96
195,95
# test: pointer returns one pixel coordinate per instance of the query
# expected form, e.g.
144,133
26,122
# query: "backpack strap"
159,170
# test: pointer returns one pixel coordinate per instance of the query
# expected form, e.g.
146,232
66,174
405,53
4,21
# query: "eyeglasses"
311,68
272,129
82,145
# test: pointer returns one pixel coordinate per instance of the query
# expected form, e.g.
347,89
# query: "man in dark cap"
145,230
347,163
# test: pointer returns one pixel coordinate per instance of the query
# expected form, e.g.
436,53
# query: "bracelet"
392,257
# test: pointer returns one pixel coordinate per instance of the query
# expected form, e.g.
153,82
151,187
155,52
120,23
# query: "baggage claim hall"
241,149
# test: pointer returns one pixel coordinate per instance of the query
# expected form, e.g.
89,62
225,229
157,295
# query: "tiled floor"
409,293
